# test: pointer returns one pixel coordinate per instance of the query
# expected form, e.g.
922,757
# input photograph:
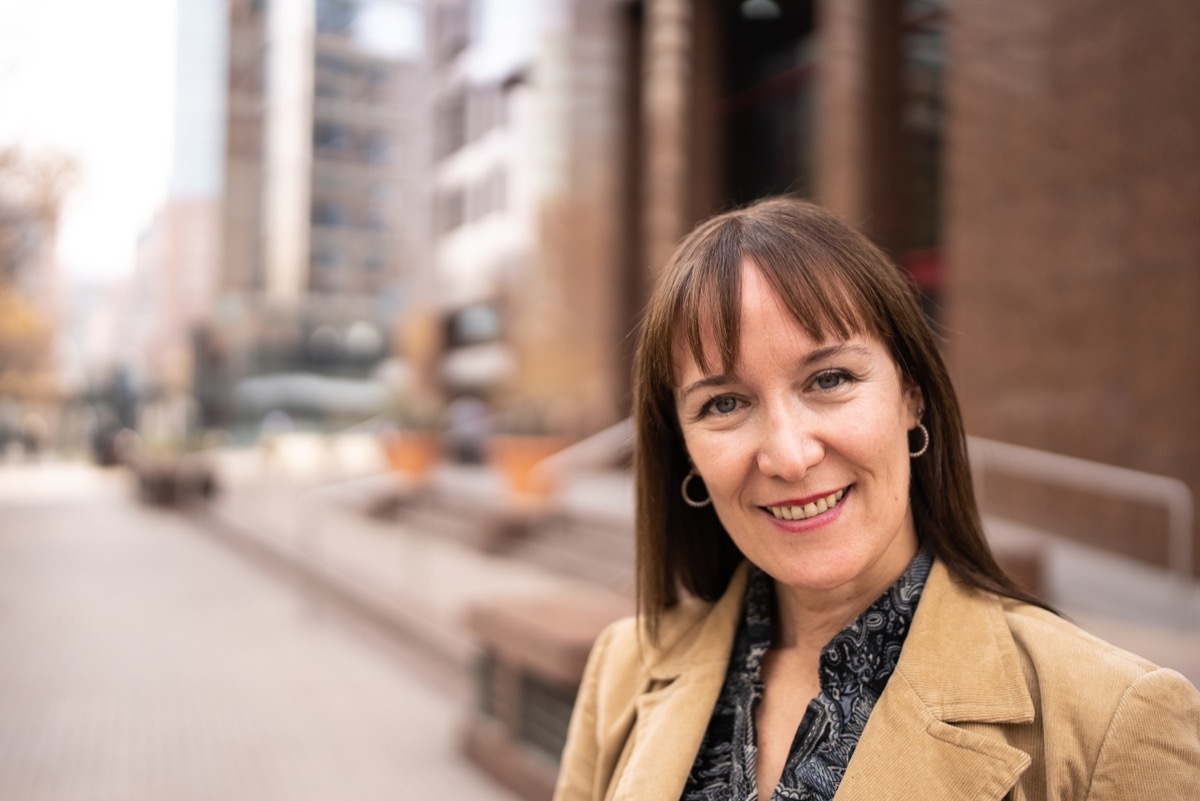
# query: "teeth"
808,510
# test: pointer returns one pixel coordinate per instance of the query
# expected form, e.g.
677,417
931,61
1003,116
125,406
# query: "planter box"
533,652
173,479
516,458
413,453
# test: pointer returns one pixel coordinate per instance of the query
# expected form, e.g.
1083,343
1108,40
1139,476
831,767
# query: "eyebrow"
814,356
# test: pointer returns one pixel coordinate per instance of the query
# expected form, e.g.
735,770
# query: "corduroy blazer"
991,699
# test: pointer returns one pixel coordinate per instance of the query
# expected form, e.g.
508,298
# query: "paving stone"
140,659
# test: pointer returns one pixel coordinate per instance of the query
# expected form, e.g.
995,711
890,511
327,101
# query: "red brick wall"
1072,238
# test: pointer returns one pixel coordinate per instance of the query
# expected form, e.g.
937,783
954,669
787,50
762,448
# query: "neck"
809,619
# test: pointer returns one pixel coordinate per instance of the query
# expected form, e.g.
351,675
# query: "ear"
914,399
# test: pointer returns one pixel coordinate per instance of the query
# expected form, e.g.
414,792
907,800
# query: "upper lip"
807,500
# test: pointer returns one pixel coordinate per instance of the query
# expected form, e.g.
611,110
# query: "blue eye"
725,404
831,379
722,404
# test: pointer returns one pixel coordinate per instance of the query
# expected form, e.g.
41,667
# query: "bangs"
826,292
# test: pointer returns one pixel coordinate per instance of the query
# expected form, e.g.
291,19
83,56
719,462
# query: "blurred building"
484,231
1036,169
242,270
530,137
178,261
326,143
325,214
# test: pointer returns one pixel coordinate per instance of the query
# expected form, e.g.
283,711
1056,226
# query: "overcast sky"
96,80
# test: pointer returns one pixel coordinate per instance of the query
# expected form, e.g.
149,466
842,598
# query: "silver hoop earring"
683,489
924,447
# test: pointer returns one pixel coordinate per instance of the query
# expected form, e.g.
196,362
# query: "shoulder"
1096,719
1127,713
1050,651
1058,651
966,641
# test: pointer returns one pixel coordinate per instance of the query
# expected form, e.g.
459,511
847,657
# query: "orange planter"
516,456
413,453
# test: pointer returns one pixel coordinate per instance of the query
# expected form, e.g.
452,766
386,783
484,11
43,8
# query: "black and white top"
854,668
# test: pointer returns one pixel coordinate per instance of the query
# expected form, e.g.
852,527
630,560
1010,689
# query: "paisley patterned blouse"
854,667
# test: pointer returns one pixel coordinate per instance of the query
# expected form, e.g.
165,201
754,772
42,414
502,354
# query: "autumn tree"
32,191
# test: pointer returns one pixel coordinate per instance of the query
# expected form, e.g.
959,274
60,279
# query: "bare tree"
32,191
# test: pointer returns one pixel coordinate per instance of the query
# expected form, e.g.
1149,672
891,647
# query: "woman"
819,612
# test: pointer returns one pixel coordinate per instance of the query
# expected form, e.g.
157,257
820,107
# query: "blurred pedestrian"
35,434
467,428
819,612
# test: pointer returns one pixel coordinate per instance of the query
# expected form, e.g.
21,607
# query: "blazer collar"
959,665
959,657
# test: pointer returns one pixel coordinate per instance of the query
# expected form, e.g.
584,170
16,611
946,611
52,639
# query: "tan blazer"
990,699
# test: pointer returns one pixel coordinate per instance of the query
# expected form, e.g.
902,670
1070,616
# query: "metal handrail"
602,449
1103,479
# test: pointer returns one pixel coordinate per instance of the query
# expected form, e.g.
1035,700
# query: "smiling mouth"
810,509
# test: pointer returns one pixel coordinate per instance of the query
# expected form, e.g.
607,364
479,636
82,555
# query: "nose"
790,443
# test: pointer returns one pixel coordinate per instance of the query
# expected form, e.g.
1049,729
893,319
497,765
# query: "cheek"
718,459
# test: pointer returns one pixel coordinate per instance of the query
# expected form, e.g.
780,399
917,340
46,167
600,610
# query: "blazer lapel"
959,665
666,736
673,714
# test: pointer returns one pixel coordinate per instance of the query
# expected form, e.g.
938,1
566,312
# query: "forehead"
760,310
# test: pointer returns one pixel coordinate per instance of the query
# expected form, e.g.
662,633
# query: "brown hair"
835,283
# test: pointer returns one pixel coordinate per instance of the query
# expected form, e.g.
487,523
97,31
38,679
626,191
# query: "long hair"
835,283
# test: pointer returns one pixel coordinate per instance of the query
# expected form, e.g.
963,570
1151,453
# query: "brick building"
1073,280
1037,169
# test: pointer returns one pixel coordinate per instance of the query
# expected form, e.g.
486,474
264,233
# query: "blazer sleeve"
1152,748
577,770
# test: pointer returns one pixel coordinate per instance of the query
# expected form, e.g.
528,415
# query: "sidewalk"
304,507
143,661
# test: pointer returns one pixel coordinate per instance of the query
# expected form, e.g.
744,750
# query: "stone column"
667,76
859,137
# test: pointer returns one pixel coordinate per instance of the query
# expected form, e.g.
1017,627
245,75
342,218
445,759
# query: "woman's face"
804,450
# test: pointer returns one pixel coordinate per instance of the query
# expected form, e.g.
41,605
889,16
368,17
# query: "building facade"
1036,170
530,137
1073,254
325,216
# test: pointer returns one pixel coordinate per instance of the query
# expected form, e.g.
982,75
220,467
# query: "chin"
831,569
825,577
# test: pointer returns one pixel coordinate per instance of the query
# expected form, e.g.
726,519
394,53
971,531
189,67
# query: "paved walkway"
140,660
